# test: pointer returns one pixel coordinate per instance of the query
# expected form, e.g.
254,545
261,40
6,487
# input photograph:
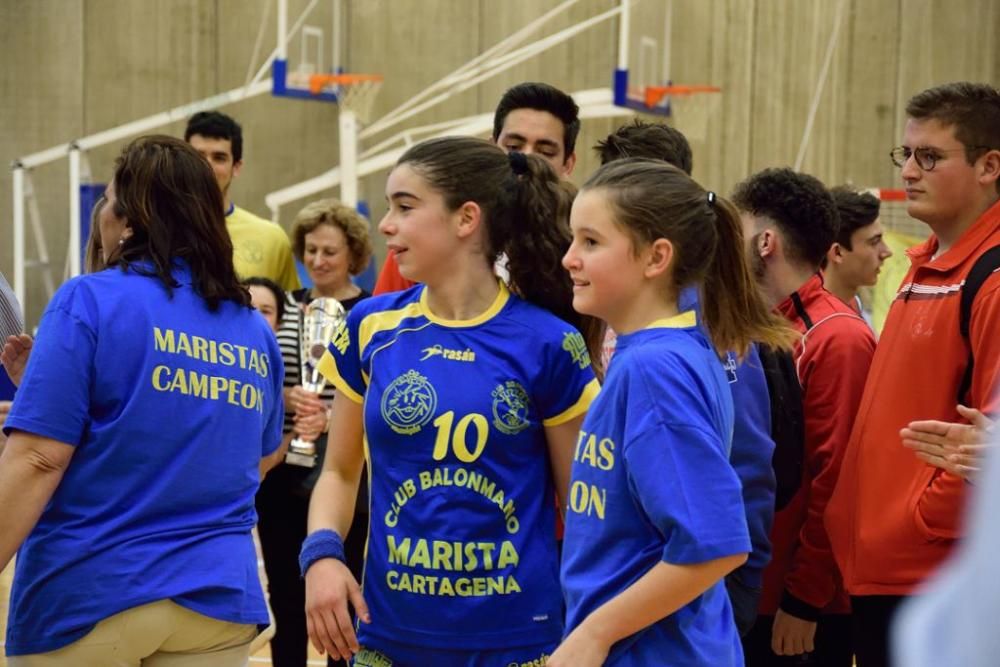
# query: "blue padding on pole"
304,278
279,74
279,85
366,279
7,387
620,87
89,194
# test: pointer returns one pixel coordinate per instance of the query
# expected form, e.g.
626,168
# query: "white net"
692,113
355,92
359,97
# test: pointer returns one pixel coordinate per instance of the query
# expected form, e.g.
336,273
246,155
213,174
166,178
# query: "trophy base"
302,460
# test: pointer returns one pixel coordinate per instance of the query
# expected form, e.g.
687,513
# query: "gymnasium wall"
74,67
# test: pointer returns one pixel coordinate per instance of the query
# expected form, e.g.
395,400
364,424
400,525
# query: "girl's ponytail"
531,228
732,306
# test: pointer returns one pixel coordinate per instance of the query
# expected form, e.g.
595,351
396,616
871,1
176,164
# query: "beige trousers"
159,634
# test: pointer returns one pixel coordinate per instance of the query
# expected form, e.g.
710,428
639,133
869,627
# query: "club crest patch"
510,408
574,344
408,403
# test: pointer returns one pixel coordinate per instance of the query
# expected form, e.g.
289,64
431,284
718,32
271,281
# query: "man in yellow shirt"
260,248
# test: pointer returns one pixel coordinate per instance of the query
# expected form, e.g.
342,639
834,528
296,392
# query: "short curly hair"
346,219
654,141
799,204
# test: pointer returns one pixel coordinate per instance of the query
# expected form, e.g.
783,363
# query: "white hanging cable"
501,48
472,78
258,43
820,85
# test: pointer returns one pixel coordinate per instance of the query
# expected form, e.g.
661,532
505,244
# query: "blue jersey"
461,550
170,408
752,451
652,482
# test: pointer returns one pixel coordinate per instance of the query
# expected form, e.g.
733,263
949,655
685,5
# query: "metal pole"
668,24
348,121
19,286
623,36
820,85
74,210
282,29
335,63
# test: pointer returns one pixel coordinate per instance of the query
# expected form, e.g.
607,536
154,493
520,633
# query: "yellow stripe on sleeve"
385,320
328,367
586,398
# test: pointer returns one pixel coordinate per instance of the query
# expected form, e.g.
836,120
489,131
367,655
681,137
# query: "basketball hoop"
354,92
689,105
656,93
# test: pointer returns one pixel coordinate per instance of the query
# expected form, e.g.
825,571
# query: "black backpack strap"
801,310
984,267
787,422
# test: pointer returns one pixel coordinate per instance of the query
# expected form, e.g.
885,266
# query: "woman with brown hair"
332,241
151,397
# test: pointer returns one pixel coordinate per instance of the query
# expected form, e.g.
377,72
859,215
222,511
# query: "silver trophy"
320,320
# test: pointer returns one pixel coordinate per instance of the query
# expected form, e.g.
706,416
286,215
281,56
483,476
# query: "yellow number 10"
457,437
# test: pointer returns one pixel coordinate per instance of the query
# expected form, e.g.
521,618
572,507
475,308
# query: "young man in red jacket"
790,220
894,518
531,118
858,252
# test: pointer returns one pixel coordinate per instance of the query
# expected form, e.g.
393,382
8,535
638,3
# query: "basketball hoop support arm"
620,84
348,139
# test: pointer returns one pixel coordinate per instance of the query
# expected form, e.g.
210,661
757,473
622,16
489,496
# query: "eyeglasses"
926,157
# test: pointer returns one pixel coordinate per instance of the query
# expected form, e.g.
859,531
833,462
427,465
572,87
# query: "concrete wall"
73,67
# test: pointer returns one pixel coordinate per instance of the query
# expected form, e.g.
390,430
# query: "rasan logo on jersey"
445,353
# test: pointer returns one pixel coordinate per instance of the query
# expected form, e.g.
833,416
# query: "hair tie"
711,198
518,162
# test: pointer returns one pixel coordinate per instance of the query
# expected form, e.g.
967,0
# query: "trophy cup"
318,323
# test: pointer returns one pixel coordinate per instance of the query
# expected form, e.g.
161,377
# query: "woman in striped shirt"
333,243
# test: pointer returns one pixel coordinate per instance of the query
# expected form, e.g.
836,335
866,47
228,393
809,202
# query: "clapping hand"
957,448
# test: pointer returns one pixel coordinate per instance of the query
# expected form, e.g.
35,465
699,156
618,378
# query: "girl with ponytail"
656,517
467,397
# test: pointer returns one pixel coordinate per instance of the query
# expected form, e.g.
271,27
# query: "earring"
121,241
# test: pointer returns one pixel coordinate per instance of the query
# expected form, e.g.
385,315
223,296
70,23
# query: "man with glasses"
893,518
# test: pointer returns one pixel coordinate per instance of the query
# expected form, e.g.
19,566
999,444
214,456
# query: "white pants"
159,634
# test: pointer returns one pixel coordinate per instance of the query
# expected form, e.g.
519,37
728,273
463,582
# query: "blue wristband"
320,544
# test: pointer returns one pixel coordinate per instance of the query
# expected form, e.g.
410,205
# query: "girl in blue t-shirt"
655,517
467,398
